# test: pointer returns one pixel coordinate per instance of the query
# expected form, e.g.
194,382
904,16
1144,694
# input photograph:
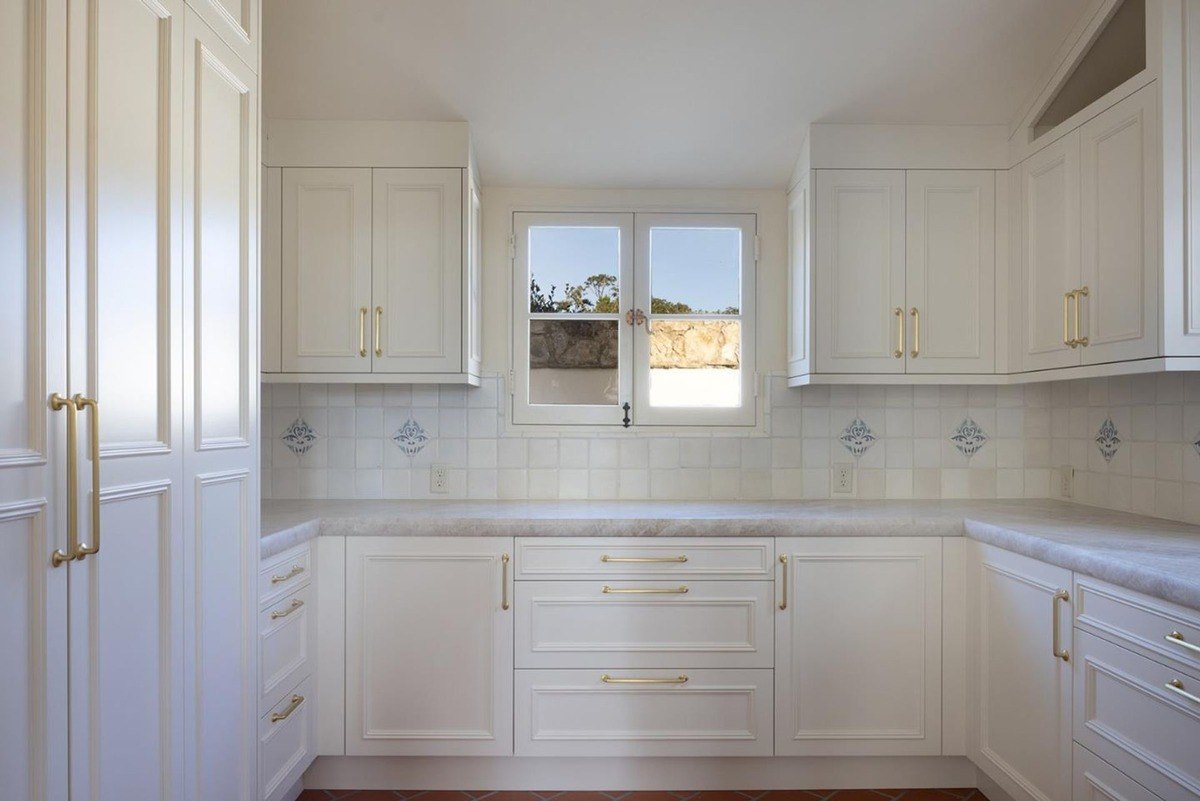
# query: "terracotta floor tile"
442,795
509,795
793,795
650,795
584,795
936,795
312,795
860,795
718,795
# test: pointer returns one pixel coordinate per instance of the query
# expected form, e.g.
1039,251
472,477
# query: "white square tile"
695,451
573,453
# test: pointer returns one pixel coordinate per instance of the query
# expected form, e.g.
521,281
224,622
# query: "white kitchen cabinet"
800,280
237,23
858,640
326,316
950,271
429,646
1019,673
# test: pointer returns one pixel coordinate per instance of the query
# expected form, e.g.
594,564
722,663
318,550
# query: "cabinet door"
1050,251
859,252
951,271
326,270
1119,206
799,278
858,647
418,271
272,269
429,646
237,23
1019,707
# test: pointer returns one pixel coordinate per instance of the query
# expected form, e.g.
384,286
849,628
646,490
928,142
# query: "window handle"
626,421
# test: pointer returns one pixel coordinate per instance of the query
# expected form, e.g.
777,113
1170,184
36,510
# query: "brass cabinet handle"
916,315
680,679
899,352
1063,654
504,581
783,560
83,549
1070,343
1078,293
1176,638
643,559
378,325
295,571
296,604
1176,686
362,331
680,590
59,556
297,700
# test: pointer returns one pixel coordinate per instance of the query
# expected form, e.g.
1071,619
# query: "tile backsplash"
1134,443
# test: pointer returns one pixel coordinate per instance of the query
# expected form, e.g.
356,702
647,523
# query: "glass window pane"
695,270
574,269
696,363
573,362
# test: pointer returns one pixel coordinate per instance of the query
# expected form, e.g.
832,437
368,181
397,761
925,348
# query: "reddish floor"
965,794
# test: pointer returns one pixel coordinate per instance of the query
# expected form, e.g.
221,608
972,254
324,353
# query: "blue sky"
697,266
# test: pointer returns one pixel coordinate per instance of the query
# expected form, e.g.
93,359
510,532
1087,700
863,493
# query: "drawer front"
287,747
284,632
644,624
1160,630
563,558
1133,713
1096,780
283,574
578,713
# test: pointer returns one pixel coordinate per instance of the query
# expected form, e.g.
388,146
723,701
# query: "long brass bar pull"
60,556
1059,653
378,325
1176,638
362,331
1067,340
297,700
83,549
504,582
680,590
1078,293
1176,686
916,315
899,352
783,560
642,559
680,679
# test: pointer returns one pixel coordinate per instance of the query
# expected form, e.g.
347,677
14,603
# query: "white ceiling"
655,93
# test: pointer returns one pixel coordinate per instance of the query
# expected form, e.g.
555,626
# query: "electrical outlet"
1066,481
439,478
843,479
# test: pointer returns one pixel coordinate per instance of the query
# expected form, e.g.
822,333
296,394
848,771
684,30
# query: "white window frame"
634,341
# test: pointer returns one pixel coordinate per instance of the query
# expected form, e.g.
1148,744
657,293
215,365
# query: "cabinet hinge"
757,248
512,246
512,383
756,383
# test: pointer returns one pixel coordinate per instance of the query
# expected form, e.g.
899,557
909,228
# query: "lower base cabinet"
286,742
1096,780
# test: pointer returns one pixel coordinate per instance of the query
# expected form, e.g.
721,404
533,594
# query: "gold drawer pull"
643,559
899,351
783,560
1176,686
680,590
295,571
680,679
1060,653
362,332
1176,638
296,604
504,582
297,700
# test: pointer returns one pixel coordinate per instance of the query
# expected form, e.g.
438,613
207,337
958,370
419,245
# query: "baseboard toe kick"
639,773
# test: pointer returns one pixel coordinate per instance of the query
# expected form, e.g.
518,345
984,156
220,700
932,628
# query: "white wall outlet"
843,479
439,478
1066,481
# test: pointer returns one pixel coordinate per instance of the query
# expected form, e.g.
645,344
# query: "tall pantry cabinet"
128,449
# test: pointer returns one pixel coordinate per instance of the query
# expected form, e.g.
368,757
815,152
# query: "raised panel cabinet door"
1050,252
951,271
237,23
417,276
858,246
272,269
1119,213
429,646
800,309
1019,691
326,250
858,627
473,297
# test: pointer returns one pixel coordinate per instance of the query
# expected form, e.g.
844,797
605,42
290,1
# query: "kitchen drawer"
1096,780
287,746
284,573
1160,630
568,558
285,637
1133,714
578,713
564,624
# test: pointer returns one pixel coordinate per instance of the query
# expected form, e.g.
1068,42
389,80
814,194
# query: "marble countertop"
1158,557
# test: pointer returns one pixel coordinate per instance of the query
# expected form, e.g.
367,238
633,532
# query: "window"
641,316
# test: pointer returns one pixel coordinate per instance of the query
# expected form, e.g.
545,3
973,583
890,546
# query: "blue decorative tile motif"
410,437
968,437
299,436
1107,440
857,437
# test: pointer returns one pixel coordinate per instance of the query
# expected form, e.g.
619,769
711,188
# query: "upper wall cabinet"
237,23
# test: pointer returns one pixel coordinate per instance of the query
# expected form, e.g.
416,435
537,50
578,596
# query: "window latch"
635,317
626,421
